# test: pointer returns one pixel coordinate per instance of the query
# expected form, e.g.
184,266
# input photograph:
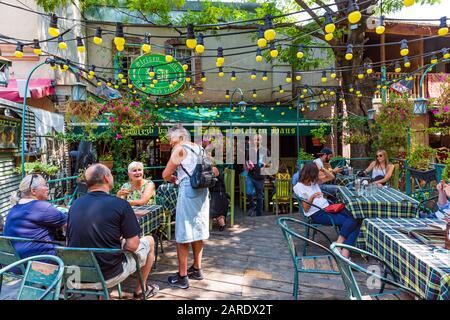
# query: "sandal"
150,291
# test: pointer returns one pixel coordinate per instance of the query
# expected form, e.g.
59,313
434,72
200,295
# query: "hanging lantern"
269,32
200,47
262,42
443,28
354,15
80,45
53,30
37,47
191,42
404,50
313,105
420,106
259,56
98,36
146,46
349,52
79,92
300,51
381,26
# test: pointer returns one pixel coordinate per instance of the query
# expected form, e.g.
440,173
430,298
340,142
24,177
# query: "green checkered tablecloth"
151,221
388,203
424,269
166,196
343,180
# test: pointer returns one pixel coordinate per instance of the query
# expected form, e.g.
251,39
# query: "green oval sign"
169,77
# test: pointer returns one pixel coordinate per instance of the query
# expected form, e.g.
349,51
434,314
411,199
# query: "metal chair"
309,221
320,264
229,177
283,194
428,207
41,280
242,192
8,255
91,280
347,266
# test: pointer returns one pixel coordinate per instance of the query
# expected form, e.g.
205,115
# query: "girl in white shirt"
308,190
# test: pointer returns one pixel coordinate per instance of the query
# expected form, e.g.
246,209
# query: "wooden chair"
90,278
229,177
283,194
347,266
319,264
41,280
242,193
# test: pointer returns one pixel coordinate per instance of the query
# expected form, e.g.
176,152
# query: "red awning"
39,88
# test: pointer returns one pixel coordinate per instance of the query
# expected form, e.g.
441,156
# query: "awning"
38,88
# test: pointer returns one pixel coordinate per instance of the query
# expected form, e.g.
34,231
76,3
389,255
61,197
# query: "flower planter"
108,163
427,176
316,142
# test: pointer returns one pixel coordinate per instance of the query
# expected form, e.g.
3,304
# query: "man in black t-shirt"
99,220
254,173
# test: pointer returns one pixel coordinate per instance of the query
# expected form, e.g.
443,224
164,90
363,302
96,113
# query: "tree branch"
305,7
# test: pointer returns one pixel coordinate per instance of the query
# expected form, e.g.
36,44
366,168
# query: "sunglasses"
379,156
31,181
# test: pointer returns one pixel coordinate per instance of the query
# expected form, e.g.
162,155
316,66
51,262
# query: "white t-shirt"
319,163
305,192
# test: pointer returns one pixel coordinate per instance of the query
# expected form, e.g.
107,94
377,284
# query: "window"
123,60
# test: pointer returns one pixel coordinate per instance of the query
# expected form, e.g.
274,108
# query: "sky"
424,12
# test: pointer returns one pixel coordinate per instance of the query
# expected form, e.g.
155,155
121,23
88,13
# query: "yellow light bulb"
152,85
333,76
278,103
169,58
120,48
369,71
18,54
81,49
116,86
62,46
146,48
288,80
360,76
98,41
233,78
281,90
262,43
380,29
220,60
227,96
434,60
37,52
354,17
90,76
203,79
264,78
398,69
270,34
404,52
446,55
171,85
298,78
151,74
408,3
188,79
191,43
253,77
99,84
302,96
174,82
199,48
130,85
348,56
259,58
300,55
254,95
274,53
351,90
124,81
324,79
330,28
200,92
443,31
119,41
329,36
54,32
221,74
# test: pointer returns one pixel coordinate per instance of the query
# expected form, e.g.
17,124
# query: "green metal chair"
91,280
8,255
242,193
340,162
229,177
283,194
309,221
319,264
41,280
354,292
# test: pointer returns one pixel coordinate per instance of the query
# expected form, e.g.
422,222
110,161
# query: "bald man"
100,220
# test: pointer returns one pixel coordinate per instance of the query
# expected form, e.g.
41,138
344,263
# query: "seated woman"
283,174
309,190
443,202
33,217
138,191
381,168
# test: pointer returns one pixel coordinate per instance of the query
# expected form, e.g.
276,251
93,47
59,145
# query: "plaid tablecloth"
388,203
152,220
343,180
166,196
418,266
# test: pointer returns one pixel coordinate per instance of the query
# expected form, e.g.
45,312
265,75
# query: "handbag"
334,208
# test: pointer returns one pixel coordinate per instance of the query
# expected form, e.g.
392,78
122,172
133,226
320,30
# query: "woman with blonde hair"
33,217
381,168
138,191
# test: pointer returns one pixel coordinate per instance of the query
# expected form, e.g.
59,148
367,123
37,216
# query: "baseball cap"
326,151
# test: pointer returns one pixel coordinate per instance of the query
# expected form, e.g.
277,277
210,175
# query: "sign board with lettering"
170,76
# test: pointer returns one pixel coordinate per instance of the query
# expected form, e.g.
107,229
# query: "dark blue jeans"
344,219
259,188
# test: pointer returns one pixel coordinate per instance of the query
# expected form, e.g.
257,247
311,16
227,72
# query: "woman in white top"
192,211
308,190
381,168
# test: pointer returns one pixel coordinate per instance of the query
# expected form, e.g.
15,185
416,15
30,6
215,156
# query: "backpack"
202,176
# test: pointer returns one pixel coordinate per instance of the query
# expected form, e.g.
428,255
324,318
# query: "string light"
298,77
264,76
330,27
369,69
184,65
324,77
62,45
203,78
349,52
98,36
119,39
220,60
259,56
354,15
406,62
53,30
262,42
333,74
434,59
108,83
130,86
408,3
404,50
233,76
443,28
91,72
253,75
281,90
398,68
227,94
19,50
273,50
254,93
288,77
269,32
191,42
300,51
168,57
220,74
445,53
37,47
146,46
360,73
381,27
200,47
80,45
188,77
329,37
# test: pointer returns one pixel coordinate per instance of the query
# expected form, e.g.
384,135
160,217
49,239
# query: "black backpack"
203,176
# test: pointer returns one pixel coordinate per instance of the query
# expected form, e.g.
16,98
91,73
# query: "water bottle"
357,186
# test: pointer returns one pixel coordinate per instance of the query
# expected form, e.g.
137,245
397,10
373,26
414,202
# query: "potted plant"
46,170
107,160
318,134
420,163
164,145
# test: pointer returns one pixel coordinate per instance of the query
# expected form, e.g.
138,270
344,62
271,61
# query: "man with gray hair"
99,220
